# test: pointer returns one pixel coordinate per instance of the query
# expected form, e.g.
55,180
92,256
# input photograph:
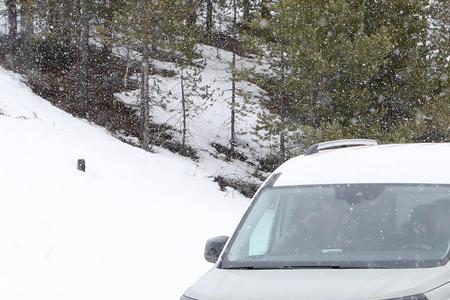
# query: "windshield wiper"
333,267
301,267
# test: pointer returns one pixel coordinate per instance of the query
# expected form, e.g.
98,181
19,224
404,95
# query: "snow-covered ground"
132,227
209,120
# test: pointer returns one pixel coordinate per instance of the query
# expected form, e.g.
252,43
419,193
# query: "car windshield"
344,226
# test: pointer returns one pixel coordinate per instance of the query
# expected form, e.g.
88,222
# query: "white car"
349,220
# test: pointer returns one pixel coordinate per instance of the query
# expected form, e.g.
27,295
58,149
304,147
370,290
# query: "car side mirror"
214,247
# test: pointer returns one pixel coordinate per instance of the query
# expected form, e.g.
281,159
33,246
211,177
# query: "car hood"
317,284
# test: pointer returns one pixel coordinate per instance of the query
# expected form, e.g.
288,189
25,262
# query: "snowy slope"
132,227
211,122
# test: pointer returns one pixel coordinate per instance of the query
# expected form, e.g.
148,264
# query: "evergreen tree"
346,68
433,121
187,58
156,27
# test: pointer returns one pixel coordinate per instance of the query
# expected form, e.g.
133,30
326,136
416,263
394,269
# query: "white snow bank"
132,227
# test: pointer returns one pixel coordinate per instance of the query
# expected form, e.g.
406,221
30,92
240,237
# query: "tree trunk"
26,34
127,70
26,20
52,17
183,105
283,111
233,86
67,23
192,14
11,7
264,9
84,57
246,8
282,139
145,97
209,17
109,14
106,52
234,16
282,146
233,105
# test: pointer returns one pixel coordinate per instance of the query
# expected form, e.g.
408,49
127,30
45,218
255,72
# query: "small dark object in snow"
81,165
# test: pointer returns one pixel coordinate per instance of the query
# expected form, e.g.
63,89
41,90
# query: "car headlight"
414,297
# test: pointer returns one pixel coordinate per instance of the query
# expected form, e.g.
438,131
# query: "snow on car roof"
394,163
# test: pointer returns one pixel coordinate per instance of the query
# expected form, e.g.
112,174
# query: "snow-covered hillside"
132,227
209,120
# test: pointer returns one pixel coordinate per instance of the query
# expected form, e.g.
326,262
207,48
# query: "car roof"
426,163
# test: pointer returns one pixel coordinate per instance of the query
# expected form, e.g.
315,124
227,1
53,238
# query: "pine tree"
353,68
400,86
156,26
433,121
184,49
